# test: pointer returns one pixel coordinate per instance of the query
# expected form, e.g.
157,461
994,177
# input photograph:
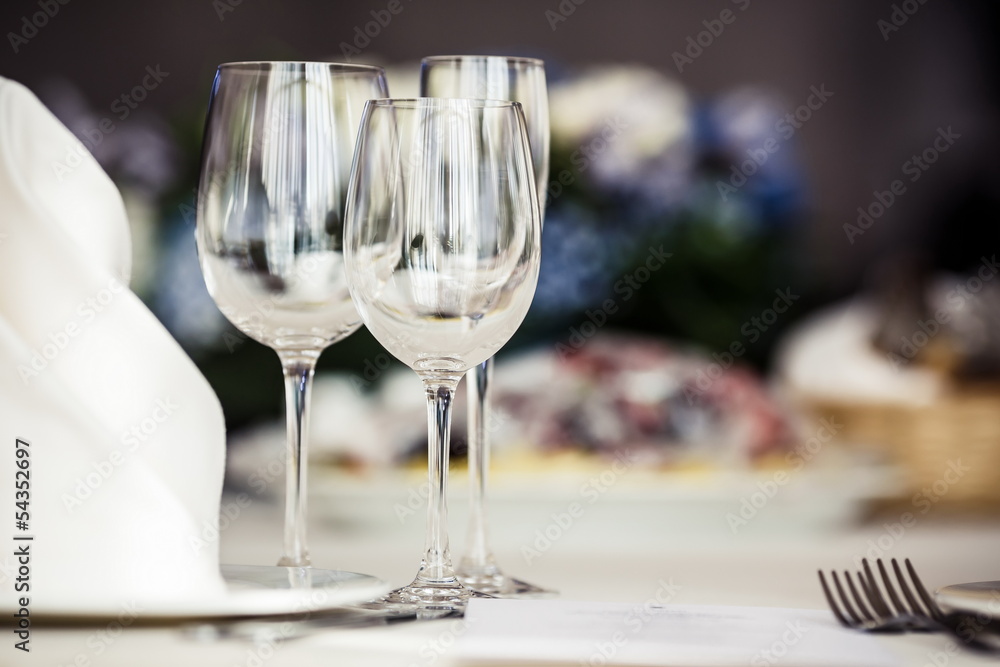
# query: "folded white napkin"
126,437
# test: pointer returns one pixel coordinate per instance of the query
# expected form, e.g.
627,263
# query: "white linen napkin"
126,438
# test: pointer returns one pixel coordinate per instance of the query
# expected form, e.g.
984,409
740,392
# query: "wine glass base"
426,600
277,577
501,586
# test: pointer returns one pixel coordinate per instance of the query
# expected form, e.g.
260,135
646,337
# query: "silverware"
274,630
977,631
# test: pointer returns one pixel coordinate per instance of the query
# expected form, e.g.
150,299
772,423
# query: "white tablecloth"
617,551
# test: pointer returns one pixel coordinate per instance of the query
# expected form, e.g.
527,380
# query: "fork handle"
978,631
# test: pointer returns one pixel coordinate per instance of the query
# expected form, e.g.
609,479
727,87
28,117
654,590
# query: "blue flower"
181,300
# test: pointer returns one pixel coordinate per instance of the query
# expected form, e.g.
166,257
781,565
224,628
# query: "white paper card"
563,632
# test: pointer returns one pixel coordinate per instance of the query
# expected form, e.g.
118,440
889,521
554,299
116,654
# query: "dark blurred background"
896,74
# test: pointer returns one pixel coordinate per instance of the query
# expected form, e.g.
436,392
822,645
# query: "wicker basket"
949,451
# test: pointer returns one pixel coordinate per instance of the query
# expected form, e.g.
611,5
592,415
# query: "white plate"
253,590
693,502
981,596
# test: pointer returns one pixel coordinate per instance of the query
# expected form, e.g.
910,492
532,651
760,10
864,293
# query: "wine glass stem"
478,557
298,371
436,566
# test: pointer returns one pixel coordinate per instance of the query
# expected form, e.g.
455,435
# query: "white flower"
651,110
747,117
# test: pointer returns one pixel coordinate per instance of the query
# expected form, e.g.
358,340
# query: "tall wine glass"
521,80
275,166
442,252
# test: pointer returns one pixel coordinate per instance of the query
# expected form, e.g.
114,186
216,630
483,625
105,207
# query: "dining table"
625,547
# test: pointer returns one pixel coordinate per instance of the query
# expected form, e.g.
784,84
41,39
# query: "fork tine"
935,610
845,601
890,589
917,607
873,595
857,598
870,587
832,603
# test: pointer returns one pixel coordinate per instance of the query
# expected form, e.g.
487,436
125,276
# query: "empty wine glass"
275,166
521,80
442,253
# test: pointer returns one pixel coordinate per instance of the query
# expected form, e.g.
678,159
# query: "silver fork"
978,632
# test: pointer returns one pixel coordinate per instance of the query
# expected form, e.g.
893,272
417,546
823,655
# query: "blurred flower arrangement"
637,166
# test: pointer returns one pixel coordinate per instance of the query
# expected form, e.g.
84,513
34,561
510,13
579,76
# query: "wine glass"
442,253
521,80
275,166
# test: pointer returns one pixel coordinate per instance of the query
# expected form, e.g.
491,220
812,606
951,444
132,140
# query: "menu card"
563,632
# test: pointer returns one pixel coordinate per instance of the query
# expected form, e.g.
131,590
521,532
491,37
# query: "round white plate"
253,590
981,596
